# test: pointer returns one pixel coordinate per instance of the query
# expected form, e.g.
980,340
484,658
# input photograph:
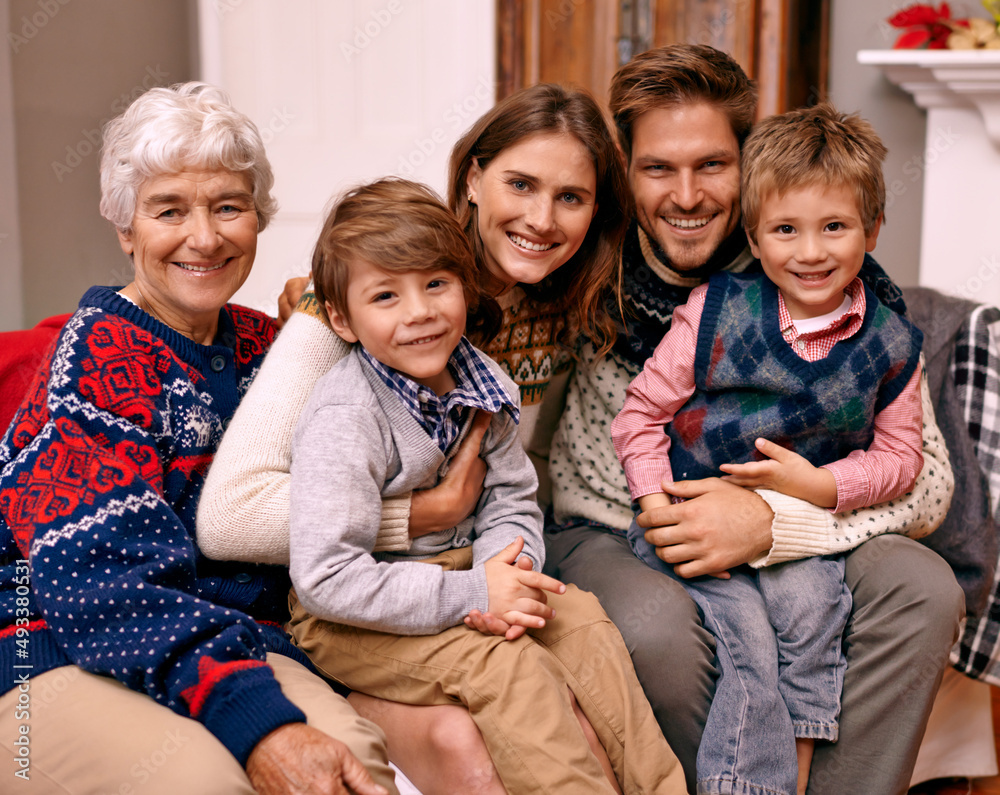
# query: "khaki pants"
516,692
91,735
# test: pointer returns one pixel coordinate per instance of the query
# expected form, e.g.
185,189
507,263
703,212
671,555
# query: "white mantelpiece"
960,90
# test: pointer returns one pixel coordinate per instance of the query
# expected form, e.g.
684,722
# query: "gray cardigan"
356,443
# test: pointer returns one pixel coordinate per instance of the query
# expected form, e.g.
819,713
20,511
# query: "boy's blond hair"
396,225
813,146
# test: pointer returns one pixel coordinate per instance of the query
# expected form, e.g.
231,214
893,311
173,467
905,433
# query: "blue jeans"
779,653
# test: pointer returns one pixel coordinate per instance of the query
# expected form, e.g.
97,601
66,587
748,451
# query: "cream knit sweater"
588,482
244,509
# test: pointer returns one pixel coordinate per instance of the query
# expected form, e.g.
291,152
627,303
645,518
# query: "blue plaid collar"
441,416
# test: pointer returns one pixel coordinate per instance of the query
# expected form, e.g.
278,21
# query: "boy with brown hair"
395,274
801,382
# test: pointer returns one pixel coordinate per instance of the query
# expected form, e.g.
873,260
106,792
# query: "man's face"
685,177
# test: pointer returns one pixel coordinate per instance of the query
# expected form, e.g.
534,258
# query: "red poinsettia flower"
926,27
919,14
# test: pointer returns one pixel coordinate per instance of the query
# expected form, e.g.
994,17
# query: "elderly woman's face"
193,241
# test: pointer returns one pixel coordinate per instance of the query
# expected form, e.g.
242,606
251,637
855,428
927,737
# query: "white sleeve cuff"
799,529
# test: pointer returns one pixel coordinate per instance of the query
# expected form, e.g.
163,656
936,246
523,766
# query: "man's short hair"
813,146
680,74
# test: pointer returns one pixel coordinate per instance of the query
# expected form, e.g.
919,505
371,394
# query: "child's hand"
489,624
787,472
516,594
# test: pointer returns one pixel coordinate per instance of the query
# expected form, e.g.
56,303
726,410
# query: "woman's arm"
802,530
244,509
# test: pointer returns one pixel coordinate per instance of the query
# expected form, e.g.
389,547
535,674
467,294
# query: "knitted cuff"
245,707
799,529
462,592
308,305
394,530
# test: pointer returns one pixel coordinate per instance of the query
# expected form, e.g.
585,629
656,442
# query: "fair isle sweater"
357,443
102,469
588,481
244,509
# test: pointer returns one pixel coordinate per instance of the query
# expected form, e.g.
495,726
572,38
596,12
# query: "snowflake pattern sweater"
102,468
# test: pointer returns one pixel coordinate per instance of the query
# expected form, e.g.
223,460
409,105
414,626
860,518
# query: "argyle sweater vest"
750,383
588,481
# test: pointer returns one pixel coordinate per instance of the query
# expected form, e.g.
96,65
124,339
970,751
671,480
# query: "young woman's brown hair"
581,287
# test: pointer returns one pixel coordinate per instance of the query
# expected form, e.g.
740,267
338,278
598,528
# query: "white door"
345,91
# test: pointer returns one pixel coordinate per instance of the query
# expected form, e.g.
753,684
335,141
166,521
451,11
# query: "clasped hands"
721,523
516,595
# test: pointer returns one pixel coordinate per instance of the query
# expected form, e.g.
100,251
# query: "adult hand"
294,288
717,527
296,759
458,493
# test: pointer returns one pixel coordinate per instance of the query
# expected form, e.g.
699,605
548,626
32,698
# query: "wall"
345,93
860,25
73,66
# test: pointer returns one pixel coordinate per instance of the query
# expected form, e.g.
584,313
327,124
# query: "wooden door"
780,43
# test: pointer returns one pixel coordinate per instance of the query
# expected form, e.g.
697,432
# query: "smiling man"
682,114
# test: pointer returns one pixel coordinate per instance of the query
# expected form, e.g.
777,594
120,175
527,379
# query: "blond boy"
801,382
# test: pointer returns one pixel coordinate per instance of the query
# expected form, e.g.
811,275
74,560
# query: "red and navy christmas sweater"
102,468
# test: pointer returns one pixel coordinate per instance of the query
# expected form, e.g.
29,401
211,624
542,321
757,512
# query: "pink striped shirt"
884,471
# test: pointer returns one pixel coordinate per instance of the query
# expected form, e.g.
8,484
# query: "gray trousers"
907,607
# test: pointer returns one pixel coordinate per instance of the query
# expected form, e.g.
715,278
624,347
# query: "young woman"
540,189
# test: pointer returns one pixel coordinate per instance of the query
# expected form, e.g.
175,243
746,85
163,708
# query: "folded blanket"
963,368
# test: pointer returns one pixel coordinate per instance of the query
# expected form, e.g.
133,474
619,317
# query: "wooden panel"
556,41
727,25
810,83
510,47
783,44
773,54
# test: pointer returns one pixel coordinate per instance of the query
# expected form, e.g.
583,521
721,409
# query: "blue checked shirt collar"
441,416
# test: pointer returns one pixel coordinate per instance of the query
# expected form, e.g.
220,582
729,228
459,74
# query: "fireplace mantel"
960,90
946,78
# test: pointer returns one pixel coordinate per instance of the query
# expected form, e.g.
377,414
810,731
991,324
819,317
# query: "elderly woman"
130,662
